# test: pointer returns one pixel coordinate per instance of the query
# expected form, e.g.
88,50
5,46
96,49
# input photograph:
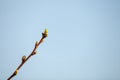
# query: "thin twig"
24,59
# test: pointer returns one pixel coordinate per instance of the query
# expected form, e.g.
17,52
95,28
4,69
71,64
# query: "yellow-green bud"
16,72
46,31
45,34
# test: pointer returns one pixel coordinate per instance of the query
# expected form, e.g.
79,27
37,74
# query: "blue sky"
83,41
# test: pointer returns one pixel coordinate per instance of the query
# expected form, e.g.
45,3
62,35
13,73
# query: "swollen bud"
16,72
36,44
23,58
45,34
46,31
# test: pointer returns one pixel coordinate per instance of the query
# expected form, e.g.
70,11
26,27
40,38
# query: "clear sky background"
83,41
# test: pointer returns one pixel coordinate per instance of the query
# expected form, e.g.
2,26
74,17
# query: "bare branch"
24,58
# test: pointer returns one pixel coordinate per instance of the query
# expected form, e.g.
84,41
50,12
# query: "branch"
24,59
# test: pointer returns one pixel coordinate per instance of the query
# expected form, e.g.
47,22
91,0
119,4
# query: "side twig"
24,59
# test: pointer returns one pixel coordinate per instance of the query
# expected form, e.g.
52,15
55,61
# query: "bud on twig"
45,34
36,44
35,52
23,58
16,72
